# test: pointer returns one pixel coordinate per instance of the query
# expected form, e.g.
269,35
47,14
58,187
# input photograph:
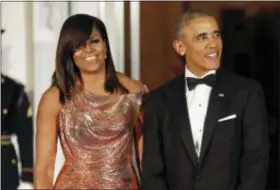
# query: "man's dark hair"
188,15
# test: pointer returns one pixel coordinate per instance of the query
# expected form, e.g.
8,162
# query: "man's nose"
212,43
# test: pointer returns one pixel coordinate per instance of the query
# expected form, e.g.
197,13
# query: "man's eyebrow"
204,33
217,31
201,34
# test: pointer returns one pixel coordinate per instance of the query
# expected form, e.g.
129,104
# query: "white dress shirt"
197,101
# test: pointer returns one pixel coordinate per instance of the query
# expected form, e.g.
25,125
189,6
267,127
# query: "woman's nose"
88,48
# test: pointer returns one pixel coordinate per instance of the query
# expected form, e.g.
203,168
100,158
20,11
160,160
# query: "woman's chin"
92,70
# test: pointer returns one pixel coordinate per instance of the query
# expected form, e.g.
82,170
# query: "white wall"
17,57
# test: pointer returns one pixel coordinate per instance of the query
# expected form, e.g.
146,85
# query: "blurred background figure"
16,119
252,50
266,48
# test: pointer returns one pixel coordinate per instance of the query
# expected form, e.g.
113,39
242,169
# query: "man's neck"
191,73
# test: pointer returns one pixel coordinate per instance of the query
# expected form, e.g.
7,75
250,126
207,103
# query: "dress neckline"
110,95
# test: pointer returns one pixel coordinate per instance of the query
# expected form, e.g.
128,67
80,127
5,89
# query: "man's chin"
214,66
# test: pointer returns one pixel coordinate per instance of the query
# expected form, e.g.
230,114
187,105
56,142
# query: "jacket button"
198,177
13,161
5,111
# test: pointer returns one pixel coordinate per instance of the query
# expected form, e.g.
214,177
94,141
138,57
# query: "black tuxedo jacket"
234,153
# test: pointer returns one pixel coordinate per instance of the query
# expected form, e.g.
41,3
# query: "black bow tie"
209,80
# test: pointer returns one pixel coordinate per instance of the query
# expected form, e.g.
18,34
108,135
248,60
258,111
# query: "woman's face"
90,57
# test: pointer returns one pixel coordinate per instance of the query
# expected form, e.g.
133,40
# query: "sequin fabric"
96,133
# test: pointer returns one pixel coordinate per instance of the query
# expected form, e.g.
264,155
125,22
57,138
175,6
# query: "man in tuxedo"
205,129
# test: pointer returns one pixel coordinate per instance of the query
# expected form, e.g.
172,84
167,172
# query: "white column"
48,18
14,41
135,39
114,21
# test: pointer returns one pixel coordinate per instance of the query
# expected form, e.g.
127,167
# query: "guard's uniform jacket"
16,118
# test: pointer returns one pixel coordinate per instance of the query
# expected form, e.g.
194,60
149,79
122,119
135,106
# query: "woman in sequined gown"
93,110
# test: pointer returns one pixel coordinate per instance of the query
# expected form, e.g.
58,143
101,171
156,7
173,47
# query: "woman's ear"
105,45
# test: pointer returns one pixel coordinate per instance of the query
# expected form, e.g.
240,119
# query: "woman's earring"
105,56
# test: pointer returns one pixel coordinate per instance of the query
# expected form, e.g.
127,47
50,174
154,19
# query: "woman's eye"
94,41
80,47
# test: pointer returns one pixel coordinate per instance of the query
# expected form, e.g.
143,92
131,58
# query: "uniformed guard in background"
16,119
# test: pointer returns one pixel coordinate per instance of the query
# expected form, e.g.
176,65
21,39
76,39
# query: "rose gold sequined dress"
97,136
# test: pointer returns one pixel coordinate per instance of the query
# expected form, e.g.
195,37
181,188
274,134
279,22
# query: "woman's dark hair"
75,31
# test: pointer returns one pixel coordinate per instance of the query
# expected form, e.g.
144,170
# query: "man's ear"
179,47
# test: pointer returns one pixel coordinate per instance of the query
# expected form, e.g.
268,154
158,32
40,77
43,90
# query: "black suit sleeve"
153,170
255,148
24,131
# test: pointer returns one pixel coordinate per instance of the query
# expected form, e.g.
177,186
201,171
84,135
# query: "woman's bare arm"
134,86
46,138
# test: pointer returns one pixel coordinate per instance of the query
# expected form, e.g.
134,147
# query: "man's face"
201,44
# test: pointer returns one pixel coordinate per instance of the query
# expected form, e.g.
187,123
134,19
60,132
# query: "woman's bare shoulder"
50,100
132,85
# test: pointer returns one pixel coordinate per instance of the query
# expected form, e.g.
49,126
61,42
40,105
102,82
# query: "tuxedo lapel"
180,111
218,105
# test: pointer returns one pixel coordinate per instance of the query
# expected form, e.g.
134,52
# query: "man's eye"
201,37
217,34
